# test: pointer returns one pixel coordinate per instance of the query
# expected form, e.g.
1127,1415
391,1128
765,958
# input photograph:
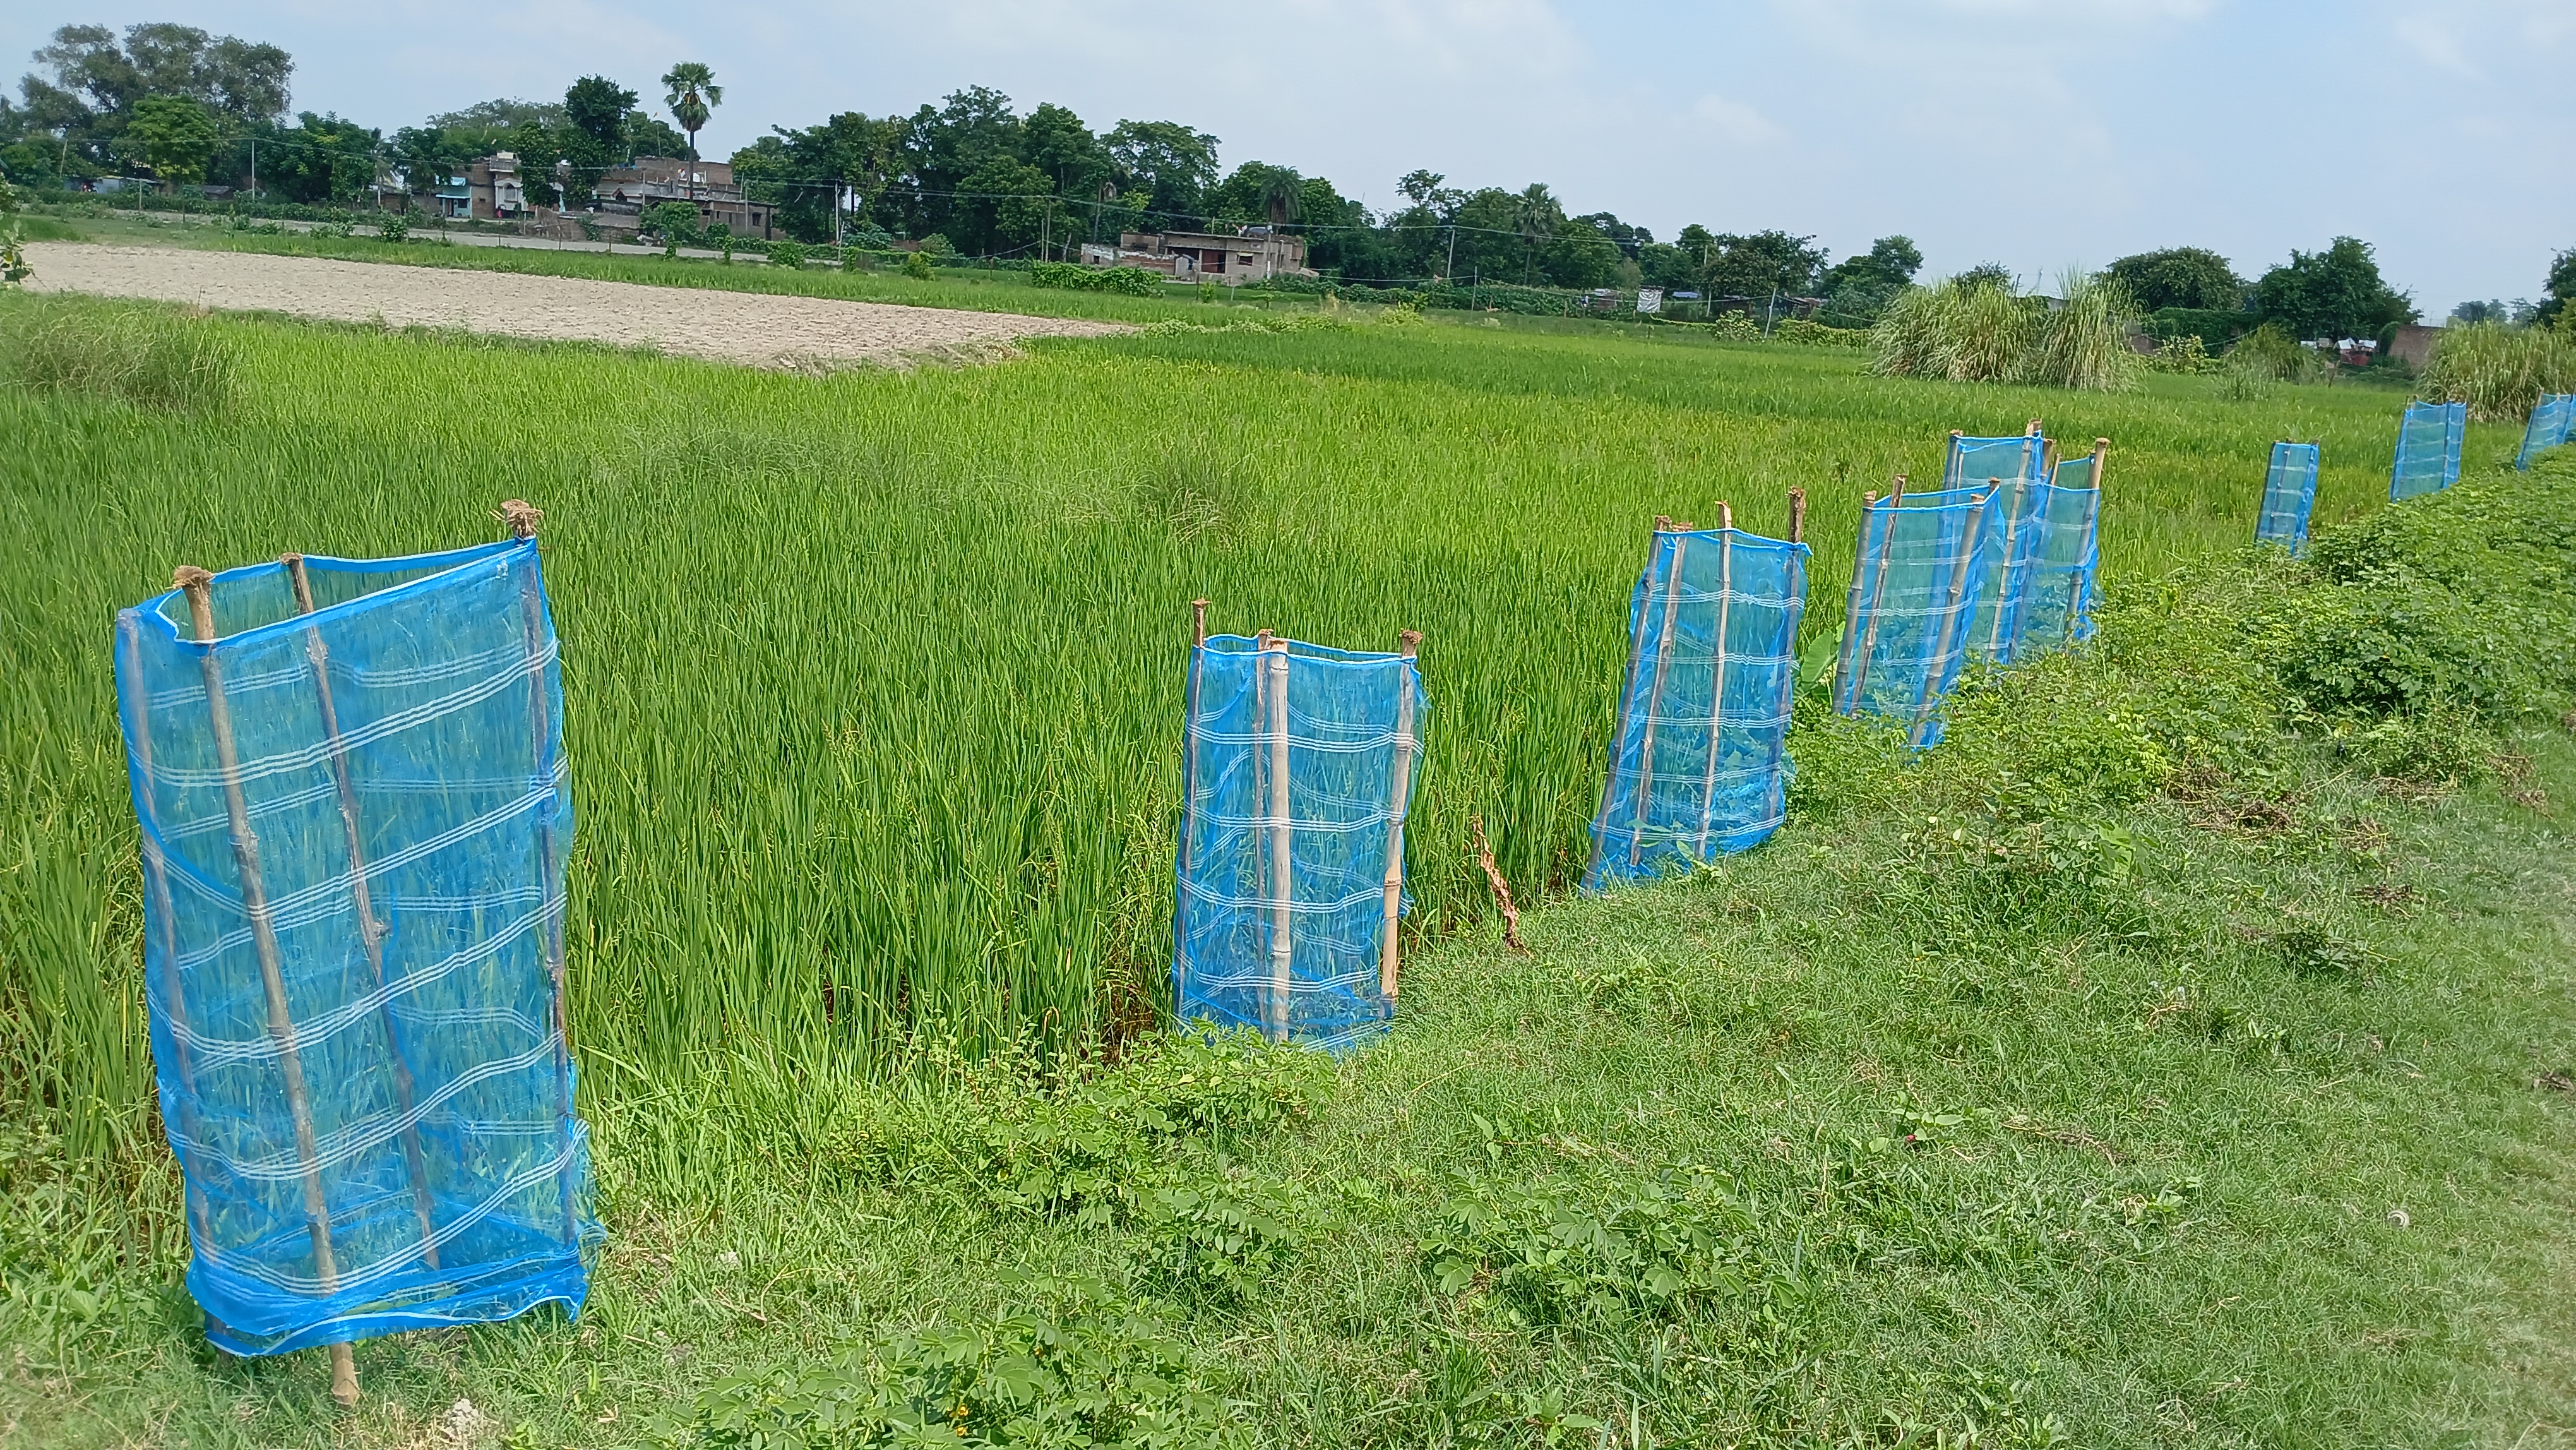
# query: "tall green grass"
873,681
2500,371
1967,330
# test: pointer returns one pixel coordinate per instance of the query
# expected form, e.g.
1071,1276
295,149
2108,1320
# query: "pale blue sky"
2038,133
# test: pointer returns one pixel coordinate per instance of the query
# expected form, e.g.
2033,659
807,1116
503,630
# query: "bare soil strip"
759,329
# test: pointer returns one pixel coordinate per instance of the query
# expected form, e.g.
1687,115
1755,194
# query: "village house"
625,193
492,188
1246,254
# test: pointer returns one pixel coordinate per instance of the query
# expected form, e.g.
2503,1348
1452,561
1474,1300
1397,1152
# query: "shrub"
1816,334
2084,343
150,357
2184,354
13,256
1964,330
1131,281
916,265
787,255
1736,327
394,227
2270,354
676,223
2500,371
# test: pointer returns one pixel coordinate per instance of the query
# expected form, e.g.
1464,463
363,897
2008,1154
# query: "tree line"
972,173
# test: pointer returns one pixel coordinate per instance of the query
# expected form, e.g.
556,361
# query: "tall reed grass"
2500,371
1971,330
148,356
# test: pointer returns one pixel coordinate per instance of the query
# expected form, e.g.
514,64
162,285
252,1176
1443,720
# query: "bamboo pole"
1926,696
371,932
2092,513
2003,586
197,584
1274,654
1717,674
174,992
1796,584
522,520
1954,460
1399,793
1627,686
1878,589
1190,738
1655,697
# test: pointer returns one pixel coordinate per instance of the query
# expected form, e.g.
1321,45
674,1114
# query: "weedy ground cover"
2180,1053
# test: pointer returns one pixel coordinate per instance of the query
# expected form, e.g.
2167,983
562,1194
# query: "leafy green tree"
2180,277
321,161
95,81
173,137
13,255
802,172
650,135
2559,289
593,135
1890,263
1993,276
1055,141
1258,192
1174,165
1757,264
2336,293
693,94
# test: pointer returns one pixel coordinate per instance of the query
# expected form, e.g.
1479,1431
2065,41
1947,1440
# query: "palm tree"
1534,216
693,92
1282,196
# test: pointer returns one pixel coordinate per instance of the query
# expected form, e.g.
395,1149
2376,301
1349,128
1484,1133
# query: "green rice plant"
2500,371
145,355
2084,343
873,682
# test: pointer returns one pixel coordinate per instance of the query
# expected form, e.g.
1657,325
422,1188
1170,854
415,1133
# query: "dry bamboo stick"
197,584
371,932
1655,697
156,879
1878,589
1926,696
1717,674
1797,516
1190,738
522,521
1627,686
2092,511
1399,790
2003,587
1274,656
1797,597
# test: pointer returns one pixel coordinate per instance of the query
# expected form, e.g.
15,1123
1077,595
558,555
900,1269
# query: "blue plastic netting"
1713,621
2289,494
1913,596
2551,420
1977,462
2036,592
1298,767
2428,449
354,826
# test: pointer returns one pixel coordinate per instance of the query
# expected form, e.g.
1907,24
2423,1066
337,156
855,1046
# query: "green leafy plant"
916,265
394,227
788,255
150,357
13,252
2500,371
1220,1239
1130,281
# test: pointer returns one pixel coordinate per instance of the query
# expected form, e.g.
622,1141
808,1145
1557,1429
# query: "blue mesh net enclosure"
2551,419
2037,574
2289,494
1699,765
1977,462
1913,596
1297,772
2428,449
355,816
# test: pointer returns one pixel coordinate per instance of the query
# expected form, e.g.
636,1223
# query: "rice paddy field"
874,680
2154,1063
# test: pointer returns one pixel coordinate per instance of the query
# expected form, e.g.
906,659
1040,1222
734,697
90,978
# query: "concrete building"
1246,254
625,193
492,188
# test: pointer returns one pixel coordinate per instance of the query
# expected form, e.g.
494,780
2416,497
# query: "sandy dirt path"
742,327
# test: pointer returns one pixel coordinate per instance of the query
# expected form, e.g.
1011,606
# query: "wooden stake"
522,521
1878,588
1190,738
1796,584
1399,792
371,932
1627,687
197,584
2003,586
1717,675
1926,697
1797,516
1655,697
2092,516
1274,655
156,879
